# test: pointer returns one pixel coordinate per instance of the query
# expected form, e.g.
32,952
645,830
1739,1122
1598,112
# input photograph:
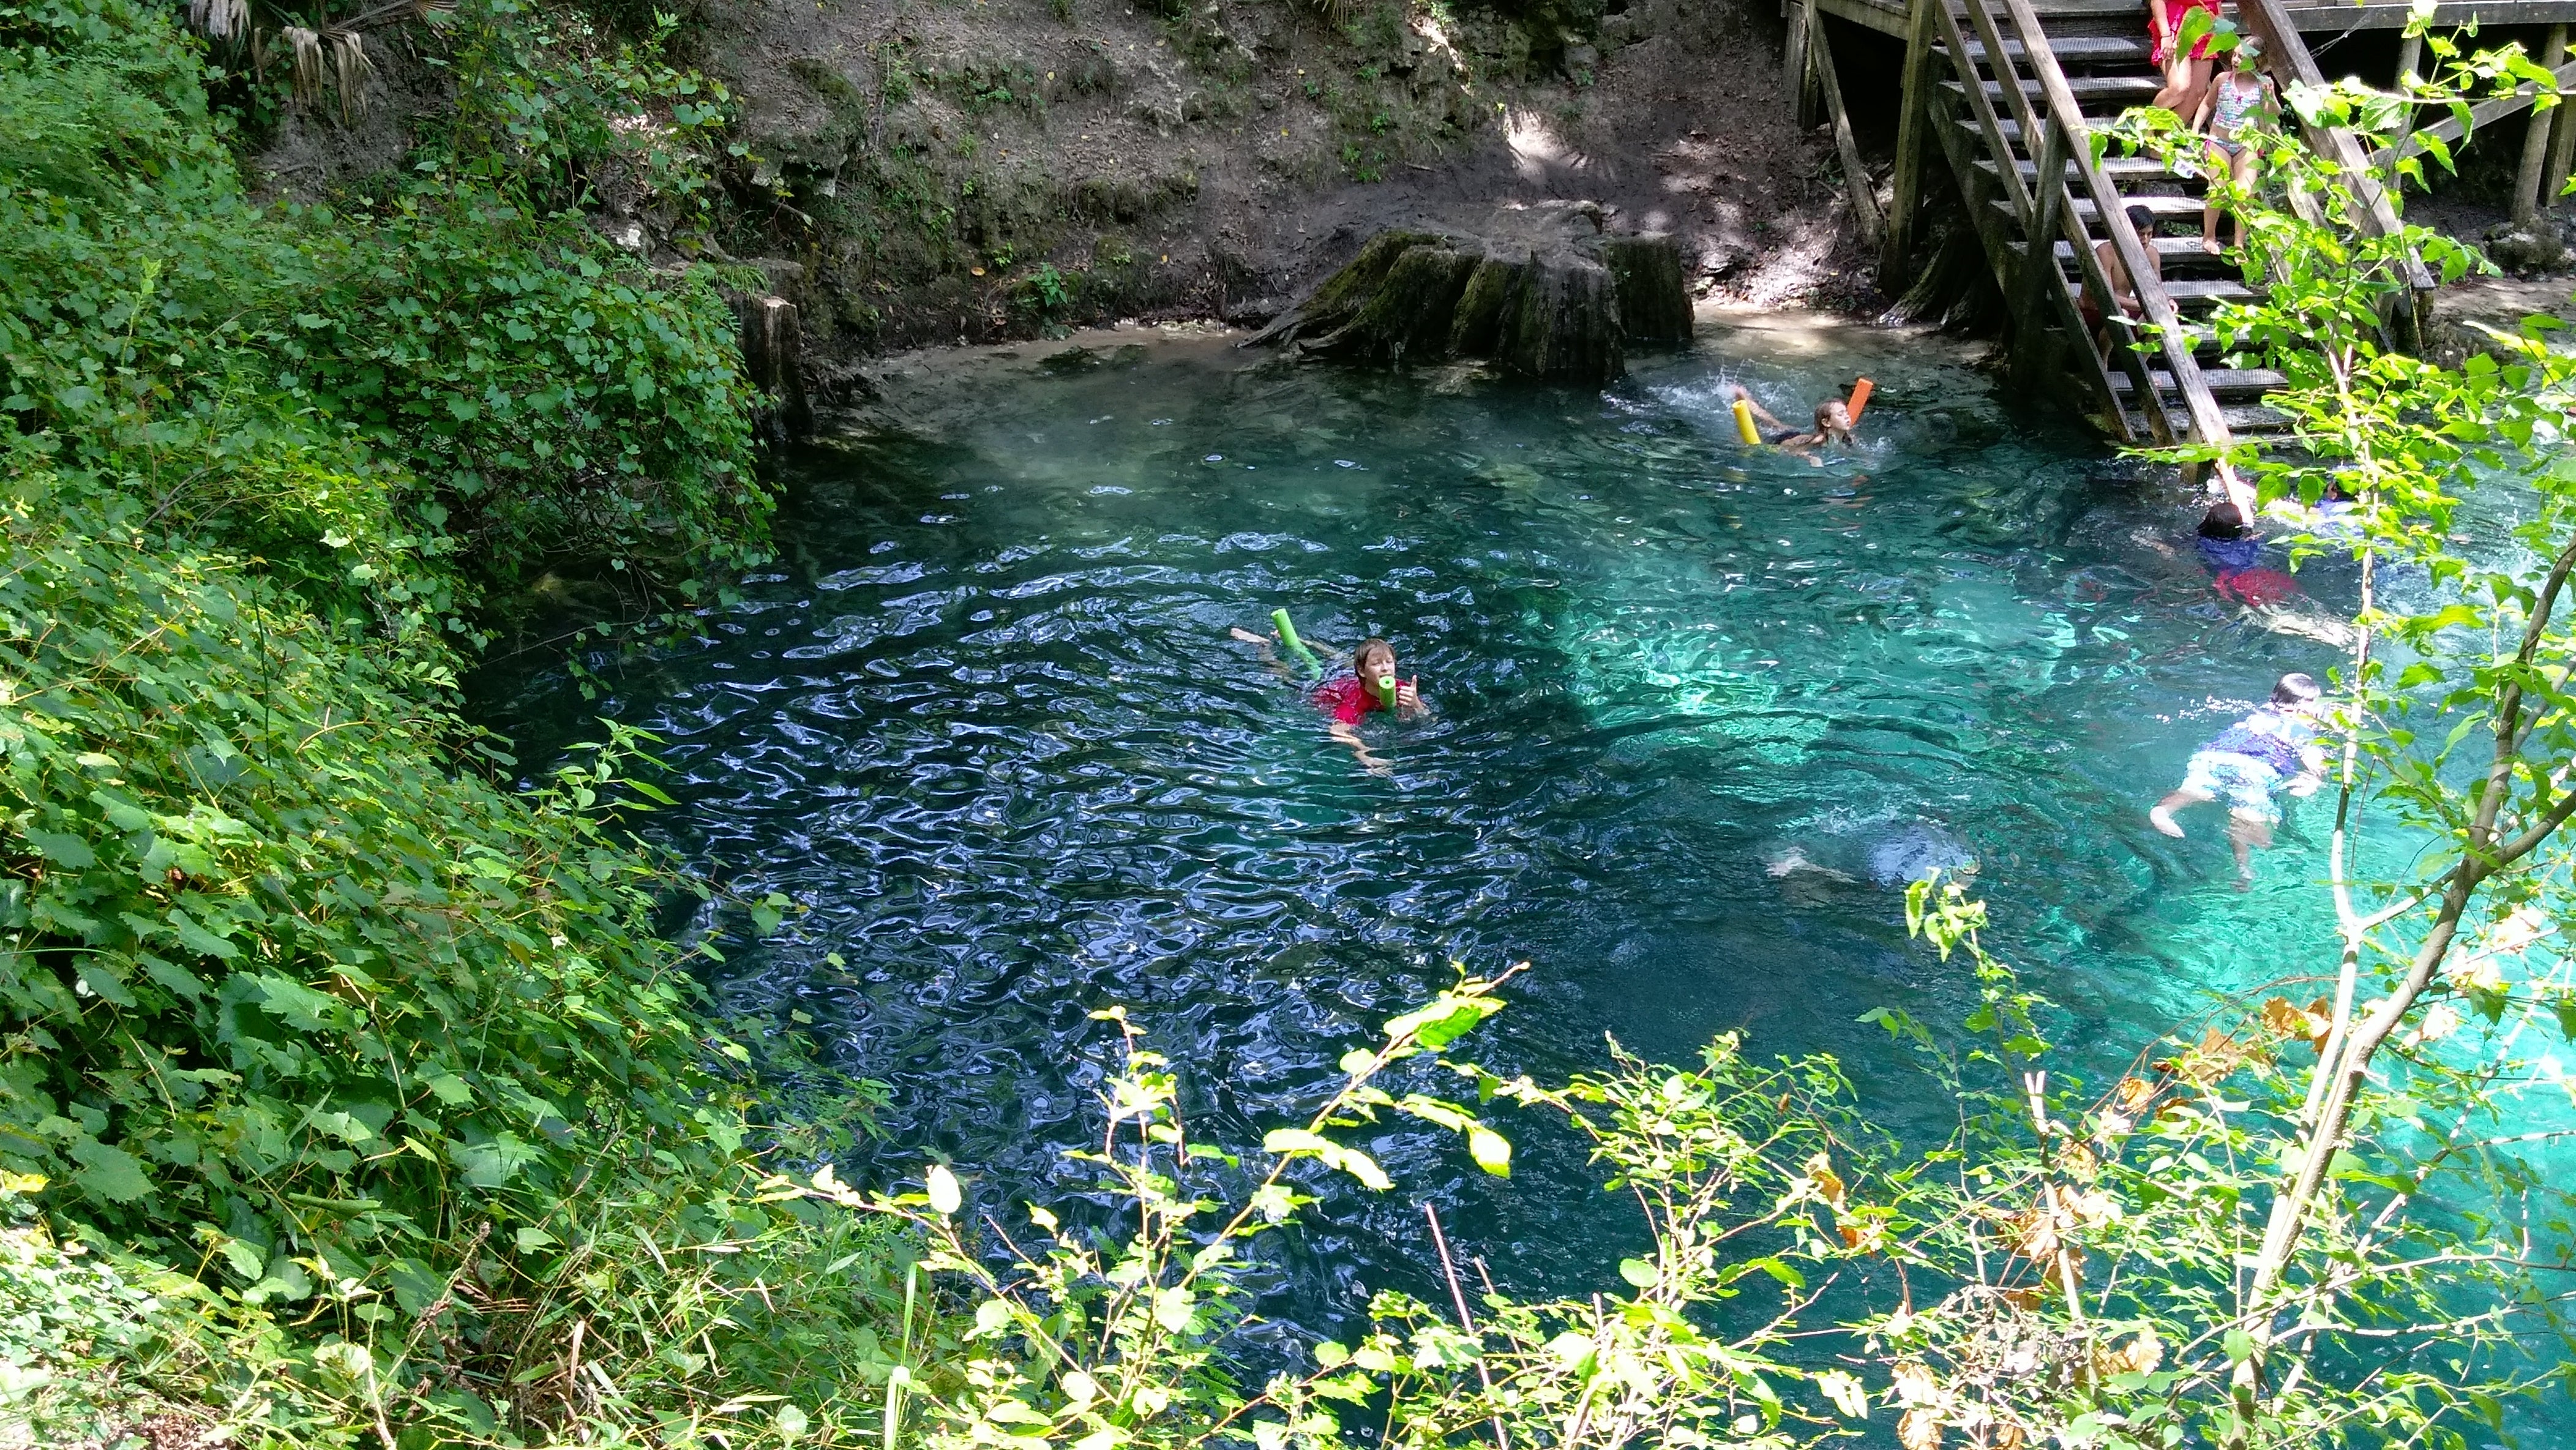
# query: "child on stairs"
2229,111
2186,75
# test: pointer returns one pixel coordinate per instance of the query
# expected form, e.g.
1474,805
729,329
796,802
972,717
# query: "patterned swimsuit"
2233,108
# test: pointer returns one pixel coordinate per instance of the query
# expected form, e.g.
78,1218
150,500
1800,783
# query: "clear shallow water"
985,721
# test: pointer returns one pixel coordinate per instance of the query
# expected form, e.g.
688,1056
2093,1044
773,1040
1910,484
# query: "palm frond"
307,46
220,19
352,68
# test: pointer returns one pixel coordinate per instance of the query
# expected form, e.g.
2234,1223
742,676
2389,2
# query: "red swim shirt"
1347,699
2257,586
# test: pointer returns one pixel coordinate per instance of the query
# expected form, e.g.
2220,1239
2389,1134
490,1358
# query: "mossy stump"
1540,291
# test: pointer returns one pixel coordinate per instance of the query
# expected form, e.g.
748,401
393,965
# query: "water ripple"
986,723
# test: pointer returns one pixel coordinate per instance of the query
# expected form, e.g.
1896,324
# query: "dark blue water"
986,721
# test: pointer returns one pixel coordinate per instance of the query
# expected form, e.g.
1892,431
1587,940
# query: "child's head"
1374,660
1833,419
2143,221
2297,691
2224,521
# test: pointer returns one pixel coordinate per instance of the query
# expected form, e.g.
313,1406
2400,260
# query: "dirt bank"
975,170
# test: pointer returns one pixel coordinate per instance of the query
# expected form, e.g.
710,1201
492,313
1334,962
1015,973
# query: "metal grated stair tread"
2100,51
2232,383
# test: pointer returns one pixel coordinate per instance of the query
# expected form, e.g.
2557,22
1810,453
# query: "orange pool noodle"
1859,398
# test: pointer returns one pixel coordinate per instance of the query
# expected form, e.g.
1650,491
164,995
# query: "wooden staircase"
2008,91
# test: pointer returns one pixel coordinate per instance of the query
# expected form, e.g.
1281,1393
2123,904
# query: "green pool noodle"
1296,646
1385,687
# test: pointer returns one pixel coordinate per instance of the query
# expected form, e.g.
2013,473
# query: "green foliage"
292,996
295,994
2091,1246
367,400
1119,1327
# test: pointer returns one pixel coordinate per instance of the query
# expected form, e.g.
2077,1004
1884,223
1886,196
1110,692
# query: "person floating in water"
1833,423
1883,852
1348,699
2273,749
2234,553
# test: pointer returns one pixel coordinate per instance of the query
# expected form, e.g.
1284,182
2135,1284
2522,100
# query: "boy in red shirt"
1371,686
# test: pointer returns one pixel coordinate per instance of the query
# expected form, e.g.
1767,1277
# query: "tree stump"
1539,290
773,360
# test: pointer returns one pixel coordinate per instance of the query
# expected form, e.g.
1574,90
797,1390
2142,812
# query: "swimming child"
2234,554
1372,685
2224,541
2275,748
1833,423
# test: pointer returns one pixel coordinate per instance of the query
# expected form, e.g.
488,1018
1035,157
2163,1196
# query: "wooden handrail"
2448,132
1983,110
1999,60
2285,56
2208,425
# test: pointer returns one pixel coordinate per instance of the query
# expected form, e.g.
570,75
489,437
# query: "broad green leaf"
109,1173
62,849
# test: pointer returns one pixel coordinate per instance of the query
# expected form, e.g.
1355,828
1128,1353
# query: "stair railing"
2286,59
2040,210
2208,424
1981,108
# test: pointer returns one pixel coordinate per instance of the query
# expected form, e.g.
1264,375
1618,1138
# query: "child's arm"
2239,492
1269,657
1736,391
1350,737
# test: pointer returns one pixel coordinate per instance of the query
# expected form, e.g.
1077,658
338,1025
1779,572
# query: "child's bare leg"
2177,83
1269,657
2243,171
2244,834
2162,816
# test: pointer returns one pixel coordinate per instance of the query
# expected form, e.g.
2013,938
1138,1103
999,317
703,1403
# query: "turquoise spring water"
984,719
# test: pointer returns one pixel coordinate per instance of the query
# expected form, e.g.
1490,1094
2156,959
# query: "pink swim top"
1347,699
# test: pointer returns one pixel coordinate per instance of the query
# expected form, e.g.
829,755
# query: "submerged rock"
1540,290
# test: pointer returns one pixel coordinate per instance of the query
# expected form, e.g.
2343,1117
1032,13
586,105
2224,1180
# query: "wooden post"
1864,199
1795,67
1914,113
2562,158
2535,142
2031,354
2410,64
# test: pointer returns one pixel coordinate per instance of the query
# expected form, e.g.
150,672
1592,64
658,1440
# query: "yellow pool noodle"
1744,423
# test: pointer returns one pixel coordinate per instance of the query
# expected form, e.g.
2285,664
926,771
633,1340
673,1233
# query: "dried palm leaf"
219,19
352,69
308,63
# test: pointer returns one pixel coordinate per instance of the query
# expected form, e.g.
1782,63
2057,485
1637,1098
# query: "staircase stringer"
2020,230
2163,320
